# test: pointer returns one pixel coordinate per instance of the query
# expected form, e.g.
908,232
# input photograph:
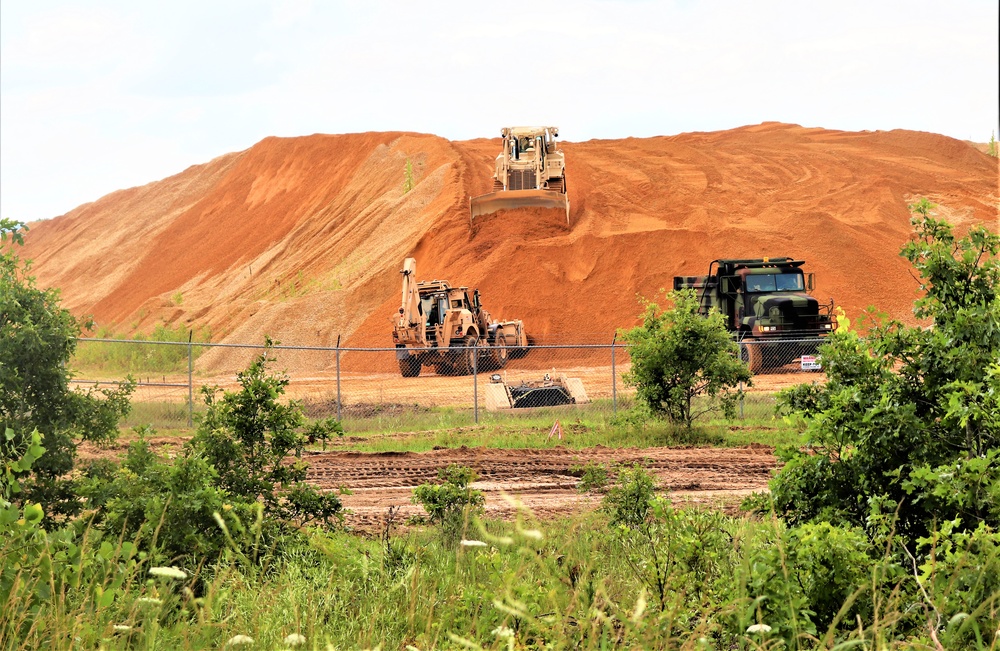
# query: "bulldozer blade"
513,199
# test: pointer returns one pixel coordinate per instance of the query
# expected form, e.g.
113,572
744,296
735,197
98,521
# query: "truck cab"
772,300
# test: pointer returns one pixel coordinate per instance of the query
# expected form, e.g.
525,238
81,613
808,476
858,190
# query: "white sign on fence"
811,363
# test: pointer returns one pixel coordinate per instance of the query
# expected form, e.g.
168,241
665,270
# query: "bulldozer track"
539,480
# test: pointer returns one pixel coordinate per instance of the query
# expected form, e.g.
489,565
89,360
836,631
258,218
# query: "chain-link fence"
392,389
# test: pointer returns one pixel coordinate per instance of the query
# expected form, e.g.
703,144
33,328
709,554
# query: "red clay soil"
302,238
541,480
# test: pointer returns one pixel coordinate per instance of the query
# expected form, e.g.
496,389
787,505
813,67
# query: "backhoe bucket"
513,199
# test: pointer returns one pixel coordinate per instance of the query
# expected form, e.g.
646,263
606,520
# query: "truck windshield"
774,283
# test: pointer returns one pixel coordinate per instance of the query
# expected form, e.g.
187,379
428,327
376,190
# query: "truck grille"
521,180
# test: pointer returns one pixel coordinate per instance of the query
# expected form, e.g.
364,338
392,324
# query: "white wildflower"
472,543
172,572
148,601
237,640
534,534
640,607
121,627
295,639
503,632
759,628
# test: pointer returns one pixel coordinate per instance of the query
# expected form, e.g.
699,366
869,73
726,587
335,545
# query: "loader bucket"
513,199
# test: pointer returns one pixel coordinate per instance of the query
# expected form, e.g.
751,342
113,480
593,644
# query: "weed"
593,476
408,176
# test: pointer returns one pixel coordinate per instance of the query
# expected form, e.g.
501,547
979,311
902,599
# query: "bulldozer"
446,328
530,172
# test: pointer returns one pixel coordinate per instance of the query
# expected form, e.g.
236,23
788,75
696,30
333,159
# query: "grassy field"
445,427
384,427
569,584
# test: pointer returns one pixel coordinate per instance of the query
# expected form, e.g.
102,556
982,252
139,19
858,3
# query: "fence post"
741,399
338,378
614,377
190,381
475,381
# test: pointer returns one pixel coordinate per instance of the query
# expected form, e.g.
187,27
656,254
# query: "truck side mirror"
810,281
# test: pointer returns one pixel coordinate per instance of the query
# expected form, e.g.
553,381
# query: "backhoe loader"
444,327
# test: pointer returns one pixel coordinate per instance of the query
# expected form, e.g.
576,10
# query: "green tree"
37,339
254,442
907,422
678,354
991,149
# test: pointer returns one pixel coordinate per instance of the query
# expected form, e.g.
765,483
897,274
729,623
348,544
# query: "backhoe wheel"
409,366
500,352
463,356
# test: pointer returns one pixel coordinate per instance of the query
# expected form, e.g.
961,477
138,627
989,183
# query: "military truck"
447,328
766,306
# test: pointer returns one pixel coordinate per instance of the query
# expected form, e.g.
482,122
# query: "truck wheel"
409,366
500,352
754,354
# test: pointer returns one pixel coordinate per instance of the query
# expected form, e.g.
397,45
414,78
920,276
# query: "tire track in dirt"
539,479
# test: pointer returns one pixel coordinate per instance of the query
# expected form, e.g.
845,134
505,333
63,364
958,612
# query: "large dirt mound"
302,238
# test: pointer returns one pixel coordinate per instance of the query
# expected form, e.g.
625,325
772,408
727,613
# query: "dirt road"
540,480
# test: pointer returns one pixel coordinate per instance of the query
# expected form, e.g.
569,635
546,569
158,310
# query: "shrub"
450,503
167,507
959,579
43,572
903,404
593,476
801,583
249,437
679,556
37,339
125,356
629,501
678,354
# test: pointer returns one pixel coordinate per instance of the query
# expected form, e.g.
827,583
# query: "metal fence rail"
370,388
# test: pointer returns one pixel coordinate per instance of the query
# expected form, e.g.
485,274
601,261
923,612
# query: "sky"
102,95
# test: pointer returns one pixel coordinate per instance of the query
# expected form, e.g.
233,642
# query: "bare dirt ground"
537,480
430,389
540,481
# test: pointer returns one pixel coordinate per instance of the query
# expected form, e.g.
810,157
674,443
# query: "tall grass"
572,583
125,357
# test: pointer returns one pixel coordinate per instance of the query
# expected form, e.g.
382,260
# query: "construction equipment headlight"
827,326
768,328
